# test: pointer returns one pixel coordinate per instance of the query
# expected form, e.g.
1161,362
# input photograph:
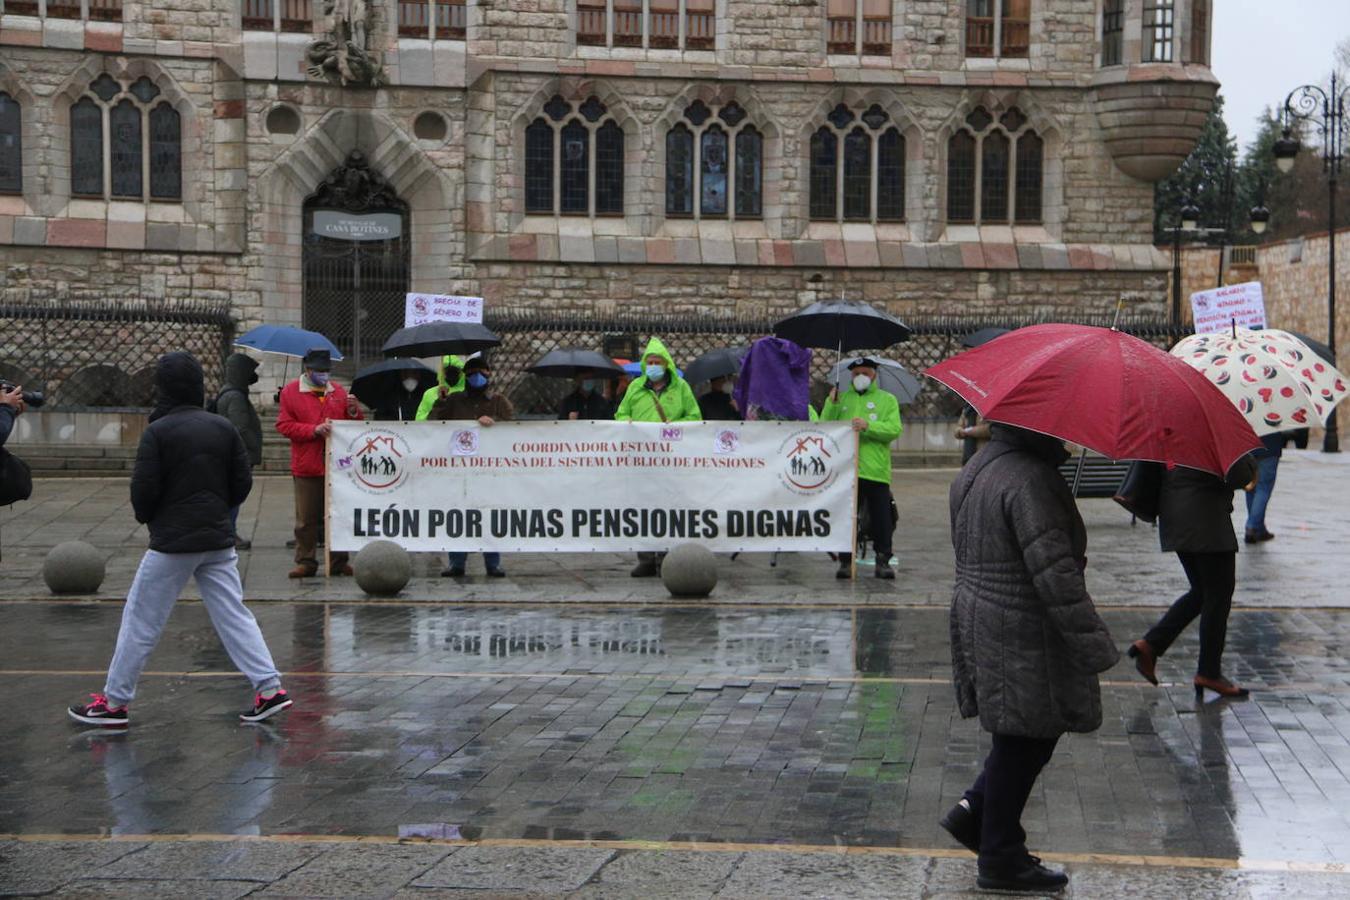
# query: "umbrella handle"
1078,472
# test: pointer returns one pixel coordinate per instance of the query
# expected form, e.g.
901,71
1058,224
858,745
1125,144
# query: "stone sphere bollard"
690,570
382,568
74,568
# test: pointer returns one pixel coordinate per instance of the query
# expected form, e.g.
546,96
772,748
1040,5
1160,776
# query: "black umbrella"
566,362
439,339
715,364
381,386
892,378
1317,347
983,336
842,325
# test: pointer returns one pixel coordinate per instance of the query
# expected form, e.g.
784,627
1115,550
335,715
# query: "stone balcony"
1152,115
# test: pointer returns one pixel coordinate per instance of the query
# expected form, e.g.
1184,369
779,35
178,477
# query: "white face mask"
861,383
728,387
410,384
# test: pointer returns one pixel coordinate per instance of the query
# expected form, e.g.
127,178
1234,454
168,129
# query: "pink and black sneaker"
266,707
99,713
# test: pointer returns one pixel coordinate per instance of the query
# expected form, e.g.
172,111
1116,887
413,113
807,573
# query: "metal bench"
1101,477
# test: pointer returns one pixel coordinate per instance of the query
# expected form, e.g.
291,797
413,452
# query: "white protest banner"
420,309
592,486
1215,310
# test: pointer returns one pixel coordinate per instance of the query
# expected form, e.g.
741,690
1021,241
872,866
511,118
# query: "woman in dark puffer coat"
1027,642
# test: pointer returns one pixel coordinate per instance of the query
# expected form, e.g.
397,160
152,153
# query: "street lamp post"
1187,220
1325,109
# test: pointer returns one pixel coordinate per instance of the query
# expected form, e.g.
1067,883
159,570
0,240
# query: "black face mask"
253,378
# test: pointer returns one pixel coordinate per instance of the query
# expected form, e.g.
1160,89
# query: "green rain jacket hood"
434,393
881,412
639,401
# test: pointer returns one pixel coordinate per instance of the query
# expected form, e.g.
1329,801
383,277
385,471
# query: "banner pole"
853,547
327,501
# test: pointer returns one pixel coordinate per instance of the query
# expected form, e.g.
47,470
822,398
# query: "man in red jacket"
308,407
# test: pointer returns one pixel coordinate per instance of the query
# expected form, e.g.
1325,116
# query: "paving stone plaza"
567,731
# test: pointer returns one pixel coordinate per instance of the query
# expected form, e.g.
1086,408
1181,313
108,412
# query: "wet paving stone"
393,732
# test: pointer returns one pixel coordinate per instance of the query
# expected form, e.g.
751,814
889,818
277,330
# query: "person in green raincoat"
875,415
659,394
449,380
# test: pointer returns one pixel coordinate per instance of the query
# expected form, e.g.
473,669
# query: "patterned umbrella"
1272,377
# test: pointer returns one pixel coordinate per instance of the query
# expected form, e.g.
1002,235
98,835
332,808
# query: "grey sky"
1263,49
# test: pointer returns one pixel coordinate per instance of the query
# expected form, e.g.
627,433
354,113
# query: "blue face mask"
588,386
320,379
478,381
655,372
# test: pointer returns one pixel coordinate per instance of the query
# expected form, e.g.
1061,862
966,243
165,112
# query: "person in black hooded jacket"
191,468
234,404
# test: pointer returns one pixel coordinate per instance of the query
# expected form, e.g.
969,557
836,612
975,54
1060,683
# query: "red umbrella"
1105,390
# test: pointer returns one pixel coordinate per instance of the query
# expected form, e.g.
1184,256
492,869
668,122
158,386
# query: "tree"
1206,179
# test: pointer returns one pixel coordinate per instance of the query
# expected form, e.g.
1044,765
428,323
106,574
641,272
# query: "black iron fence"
525,338
100,353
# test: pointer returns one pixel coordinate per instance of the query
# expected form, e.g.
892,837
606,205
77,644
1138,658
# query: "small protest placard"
1215,310
424,308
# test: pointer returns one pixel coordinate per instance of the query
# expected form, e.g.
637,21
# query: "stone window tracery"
432,19
574,160
718,158
998,28
110,156
1159,27
11,145
866,181
995,170
648,24
295,16
858,27
98,10
1113,32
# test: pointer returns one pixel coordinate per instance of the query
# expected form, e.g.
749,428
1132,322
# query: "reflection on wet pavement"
746,724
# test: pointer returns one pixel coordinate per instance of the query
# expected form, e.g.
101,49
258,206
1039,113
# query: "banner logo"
464,443
672,434
376,461
727,440
808,462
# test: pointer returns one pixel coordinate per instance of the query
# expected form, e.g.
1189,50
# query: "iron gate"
356,261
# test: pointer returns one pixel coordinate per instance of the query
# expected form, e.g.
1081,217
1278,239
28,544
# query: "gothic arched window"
109,127
995,170
716,156
870,185
580,148
11,145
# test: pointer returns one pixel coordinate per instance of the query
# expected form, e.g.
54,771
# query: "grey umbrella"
892,378
565,362
983,336
715,364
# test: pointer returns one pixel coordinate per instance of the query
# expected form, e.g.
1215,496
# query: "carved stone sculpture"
344,55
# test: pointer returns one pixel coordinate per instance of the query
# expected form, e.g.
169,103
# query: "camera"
30,398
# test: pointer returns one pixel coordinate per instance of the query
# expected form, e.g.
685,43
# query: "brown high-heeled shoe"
1145,660
1221,686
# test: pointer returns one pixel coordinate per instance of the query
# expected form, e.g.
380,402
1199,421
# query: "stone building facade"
1294,276
439,99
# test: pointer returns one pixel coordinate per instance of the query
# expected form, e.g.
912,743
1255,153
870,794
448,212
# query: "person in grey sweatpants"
191,470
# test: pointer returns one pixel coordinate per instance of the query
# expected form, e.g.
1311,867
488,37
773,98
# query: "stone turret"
1153,89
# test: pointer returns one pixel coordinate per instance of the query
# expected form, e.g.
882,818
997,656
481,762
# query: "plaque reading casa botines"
347,226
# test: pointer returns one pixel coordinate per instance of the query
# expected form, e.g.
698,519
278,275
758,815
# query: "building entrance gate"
356,261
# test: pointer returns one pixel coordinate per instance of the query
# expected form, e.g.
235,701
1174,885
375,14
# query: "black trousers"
999,795
1212,577
876,496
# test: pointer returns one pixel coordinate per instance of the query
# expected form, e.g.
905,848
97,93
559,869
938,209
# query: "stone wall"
1293,276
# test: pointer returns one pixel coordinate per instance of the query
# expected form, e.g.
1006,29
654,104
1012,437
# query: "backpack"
16,479
213,405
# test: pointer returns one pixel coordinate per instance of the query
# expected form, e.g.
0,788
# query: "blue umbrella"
286,340
635,369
